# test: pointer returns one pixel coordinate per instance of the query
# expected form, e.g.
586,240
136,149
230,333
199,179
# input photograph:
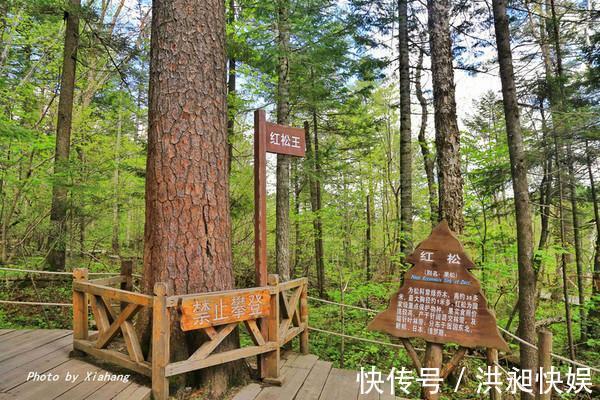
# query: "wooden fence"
114,309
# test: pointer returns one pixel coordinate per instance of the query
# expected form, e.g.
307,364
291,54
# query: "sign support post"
281,140
260,197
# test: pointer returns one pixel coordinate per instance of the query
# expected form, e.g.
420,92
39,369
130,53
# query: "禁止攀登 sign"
211,310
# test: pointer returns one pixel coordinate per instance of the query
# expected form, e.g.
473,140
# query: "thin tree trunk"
577,240
447,135
527,284
187,238
545,191
594,317
116,211
297,239
315,202
368,273
428,158
58,214
405,132
282,217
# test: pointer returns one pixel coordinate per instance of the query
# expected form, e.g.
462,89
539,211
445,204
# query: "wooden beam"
112,356
211,332
112,293
100,315
254,332
160,343
453,363
106,336
412,353
209,346
80,306
304,319
180,367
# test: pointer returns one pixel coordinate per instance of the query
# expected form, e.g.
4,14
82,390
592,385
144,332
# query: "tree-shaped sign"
440,300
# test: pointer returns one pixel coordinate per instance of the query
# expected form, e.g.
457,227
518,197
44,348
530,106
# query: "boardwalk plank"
49,390
5,331
341,384
26,357
108,392
294,373
11,336
18,376
314,383
85,388
32,342
134,392
248,392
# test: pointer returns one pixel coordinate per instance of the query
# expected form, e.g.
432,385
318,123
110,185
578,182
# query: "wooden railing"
286,317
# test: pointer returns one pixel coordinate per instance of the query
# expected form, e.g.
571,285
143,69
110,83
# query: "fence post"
304,317
492,360
160,342
80,306
126,273
270,360
544,362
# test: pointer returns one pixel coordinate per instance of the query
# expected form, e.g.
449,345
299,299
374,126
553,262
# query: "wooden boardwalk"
305,377
25,352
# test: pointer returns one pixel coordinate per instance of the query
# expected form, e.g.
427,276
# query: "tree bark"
187,241
231,89
282,217
447,135
428,158
405,132
527,282
58,213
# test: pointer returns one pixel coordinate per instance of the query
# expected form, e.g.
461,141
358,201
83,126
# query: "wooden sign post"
278,139
440,302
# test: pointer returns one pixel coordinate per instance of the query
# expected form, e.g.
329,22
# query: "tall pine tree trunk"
58,213
428,158
187,234
527,284
282,217
405,132
447,139
447,136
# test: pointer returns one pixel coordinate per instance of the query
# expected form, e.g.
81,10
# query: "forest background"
345,209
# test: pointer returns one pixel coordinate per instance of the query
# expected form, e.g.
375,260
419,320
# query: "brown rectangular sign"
283,139
224,308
